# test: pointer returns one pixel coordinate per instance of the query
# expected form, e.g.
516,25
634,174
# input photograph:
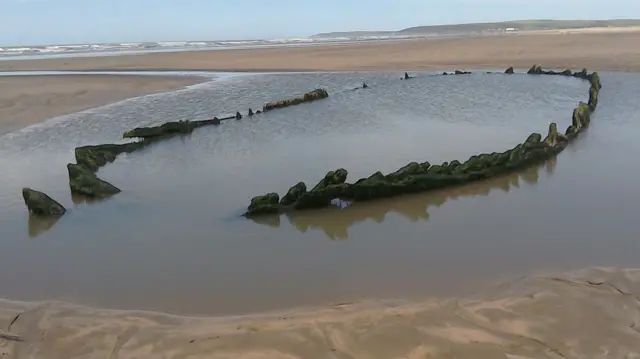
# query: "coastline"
525,318
519,319
28,100
598,50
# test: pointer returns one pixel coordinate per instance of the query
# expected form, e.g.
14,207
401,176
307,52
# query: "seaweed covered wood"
307,97
40,204
84,181
417,177
94,157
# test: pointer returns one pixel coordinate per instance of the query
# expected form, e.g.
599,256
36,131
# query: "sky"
38,22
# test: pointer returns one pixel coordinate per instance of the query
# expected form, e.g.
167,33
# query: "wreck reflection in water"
335,222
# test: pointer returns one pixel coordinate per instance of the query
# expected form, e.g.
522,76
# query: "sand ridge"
592,313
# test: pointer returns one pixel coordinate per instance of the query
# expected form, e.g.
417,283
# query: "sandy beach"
585,314
27,100
592,313
596,50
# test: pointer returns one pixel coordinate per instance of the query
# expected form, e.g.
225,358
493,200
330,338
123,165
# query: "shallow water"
174,240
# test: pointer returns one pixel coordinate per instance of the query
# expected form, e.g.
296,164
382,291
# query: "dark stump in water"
40,204
85,182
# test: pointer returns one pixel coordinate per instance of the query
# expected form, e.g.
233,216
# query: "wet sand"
586,314
27,100
582,314
592,48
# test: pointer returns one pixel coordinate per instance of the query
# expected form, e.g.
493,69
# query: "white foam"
142,47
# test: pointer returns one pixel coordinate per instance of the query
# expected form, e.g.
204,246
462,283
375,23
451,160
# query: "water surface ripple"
173,239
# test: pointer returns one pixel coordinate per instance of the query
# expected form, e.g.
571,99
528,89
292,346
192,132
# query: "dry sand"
28,100
588,314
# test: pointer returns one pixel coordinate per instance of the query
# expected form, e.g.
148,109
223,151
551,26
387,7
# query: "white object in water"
340,203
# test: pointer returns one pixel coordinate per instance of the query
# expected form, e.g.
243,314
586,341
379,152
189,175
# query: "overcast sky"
84,21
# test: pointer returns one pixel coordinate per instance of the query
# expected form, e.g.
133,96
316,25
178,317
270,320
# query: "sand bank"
596,50
26,100
586,314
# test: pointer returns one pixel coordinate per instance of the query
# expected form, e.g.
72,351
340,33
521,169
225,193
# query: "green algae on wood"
84,181
294,193
267,203
412,178
169,129
94,157
417,177
41,204
535,70
307,97
164,130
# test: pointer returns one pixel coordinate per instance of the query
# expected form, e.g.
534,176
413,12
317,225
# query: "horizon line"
318,33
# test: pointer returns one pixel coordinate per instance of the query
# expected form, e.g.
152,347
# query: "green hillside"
520,25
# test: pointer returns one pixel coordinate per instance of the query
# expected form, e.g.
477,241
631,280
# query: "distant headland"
489,28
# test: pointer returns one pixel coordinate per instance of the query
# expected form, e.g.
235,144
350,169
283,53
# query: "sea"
131,48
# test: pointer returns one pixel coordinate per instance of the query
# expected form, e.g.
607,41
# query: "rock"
94,157
335,177
307,97
85,182
509,71
238,116
40,204
165,130
264,204
535,70
293,194
250,113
